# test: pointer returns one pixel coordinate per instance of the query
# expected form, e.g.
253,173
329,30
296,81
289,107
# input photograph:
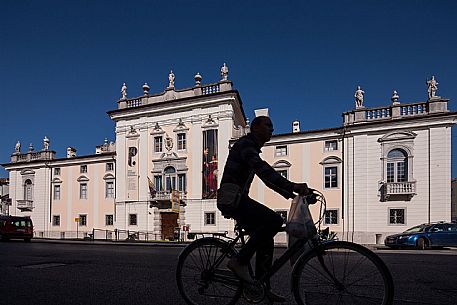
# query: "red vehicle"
16,227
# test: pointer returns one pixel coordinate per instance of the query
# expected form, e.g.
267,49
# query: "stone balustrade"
397,111
33,156
25,205
413,109
400,188
171,94
210,89
166,196
134,102
378,113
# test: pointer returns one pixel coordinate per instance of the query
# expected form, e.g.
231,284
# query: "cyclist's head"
262,129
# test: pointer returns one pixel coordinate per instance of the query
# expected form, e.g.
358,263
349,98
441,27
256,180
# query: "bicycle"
327,272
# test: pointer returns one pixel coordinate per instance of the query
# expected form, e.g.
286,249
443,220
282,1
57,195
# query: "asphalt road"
56,273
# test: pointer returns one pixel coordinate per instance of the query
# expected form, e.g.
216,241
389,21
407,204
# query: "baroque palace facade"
384,170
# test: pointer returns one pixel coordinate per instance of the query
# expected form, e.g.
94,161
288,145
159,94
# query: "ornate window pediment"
157,130
27,171
82,179
398,135
210,123
282,163
56,180
181,127
108,177
132,133
331,160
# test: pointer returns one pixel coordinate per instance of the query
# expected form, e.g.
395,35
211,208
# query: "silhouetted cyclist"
260,222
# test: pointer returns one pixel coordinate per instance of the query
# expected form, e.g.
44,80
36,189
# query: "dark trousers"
262,224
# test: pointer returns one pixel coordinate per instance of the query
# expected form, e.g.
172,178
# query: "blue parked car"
430,235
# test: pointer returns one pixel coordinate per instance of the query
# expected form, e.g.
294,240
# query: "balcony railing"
399,189
166,196
25,205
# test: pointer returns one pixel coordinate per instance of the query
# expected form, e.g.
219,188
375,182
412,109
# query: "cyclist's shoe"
240,270
275,298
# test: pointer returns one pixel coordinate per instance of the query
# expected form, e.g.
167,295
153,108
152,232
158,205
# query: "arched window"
169,170
170,178
28,189
397,166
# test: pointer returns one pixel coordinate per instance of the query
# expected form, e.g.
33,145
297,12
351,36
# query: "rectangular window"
83,169
57,171
158,144
109,167
397,216
109,220
158,183
390,172
82,220
109,189
56,220
401,177
83,191
281,150
181,141
331,177
133,220
283,172
283,214
182,182
331,217
331,145
210,218
56,192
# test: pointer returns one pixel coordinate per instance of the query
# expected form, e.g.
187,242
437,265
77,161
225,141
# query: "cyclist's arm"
267,174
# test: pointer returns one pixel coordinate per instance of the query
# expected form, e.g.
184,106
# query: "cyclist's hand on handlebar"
302,189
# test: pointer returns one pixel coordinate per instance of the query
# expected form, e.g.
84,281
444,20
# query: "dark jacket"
244,158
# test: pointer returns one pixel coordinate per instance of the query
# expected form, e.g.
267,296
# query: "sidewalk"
155,243
111,242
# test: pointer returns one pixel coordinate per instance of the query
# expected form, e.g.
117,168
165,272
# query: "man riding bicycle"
260,222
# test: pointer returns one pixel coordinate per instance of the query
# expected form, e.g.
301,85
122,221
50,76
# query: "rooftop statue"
359,97
18,147
224,72
432,88
124,91
171,78
45,143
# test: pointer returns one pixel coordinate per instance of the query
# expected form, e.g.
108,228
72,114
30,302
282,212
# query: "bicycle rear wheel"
202,275
355,275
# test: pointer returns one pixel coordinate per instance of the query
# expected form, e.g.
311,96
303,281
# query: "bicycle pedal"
254,293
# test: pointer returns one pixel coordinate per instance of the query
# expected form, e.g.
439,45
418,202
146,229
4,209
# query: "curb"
156,244
108,242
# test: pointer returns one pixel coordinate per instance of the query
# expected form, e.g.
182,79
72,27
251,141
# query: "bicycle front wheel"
202,275
352,275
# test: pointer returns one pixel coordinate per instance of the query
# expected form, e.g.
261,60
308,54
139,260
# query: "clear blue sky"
62,63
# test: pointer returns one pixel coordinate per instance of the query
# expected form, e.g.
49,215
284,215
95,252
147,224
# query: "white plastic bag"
300,223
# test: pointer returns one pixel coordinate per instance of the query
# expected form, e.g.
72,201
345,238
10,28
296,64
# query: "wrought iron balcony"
407,188
25,205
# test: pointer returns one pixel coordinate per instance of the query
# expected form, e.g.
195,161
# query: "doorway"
169,223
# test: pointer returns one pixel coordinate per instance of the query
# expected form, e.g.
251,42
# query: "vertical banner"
209,164
175,201
132,169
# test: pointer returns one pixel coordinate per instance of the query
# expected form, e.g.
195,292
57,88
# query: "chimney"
71,152
261,112
296,126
